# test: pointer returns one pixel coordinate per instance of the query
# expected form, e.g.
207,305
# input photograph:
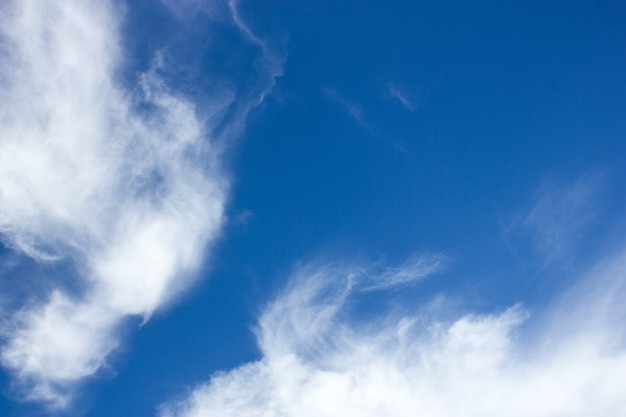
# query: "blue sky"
214,208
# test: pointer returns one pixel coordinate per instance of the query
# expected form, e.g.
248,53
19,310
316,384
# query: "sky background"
296,208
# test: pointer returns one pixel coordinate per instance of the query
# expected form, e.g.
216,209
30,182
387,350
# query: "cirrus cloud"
317,360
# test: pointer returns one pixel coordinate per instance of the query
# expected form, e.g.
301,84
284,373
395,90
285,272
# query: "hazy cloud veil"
124,185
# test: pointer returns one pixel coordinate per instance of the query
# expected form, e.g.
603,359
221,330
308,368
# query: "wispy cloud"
352,109
356,113
127,188
395,93
416,268
187,8
317,362
557,216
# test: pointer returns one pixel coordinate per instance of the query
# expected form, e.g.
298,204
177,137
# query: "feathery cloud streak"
395,93
352,109
317,361
125,187
558,215
356,113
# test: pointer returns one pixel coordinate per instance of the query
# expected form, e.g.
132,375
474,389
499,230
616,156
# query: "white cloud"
59,343
127,188
316,361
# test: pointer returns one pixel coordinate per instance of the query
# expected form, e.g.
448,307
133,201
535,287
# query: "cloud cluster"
318,360
123,185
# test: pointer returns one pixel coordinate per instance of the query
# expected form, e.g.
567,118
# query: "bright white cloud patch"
318,362
125,187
